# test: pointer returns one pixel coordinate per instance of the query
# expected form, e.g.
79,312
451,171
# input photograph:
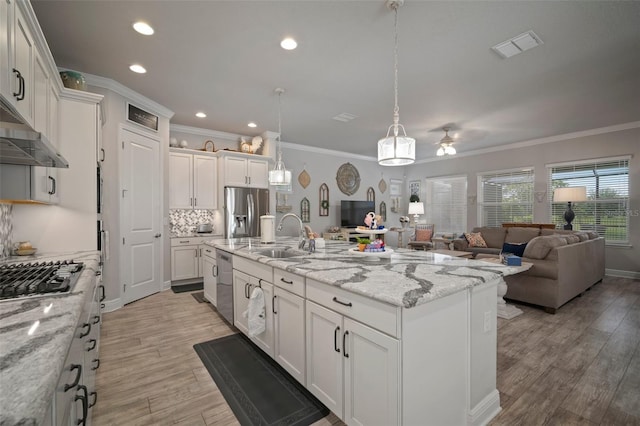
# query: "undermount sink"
280,253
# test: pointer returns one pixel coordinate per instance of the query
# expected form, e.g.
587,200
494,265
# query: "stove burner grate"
42,278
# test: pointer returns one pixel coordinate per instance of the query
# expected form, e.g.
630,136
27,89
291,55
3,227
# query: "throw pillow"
475,239
517,249
423,234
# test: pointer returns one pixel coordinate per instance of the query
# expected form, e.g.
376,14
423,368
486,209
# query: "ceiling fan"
446,144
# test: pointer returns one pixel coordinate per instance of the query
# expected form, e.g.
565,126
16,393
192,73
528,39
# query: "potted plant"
362,243
414,198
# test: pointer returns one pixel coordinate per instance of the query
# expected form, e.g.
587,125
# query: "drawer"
209,251
288,281
379,315
185,241
255,269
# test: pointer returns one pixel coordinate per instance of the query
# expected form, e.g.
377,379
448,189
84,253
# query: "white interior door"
141,216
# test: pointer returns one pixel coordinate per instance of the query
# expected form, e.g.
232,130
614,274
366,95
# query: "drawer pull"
184,242
349,304
286,281
77,379
335,339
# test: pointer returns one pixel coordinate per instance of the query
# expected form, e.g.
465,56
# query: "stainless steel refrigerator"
242,210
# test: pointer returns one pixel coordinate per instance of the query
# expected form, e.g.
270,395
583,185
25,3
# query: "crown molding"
80,95
206,132
541,141
316,150
135,97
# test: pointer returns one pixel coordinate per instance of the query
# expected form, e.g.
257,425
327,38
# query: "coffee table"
454,253
505,310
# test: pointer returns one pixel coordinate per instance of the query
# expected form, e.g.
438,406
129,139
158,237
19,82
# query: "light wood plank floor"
580,366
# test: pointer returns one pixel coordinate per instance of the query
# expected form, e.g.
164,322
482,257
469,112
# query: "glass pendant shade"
395,150
279,176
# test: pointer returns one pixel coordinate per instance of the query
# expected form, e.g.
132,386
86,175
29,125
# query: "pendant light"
279,177
396,150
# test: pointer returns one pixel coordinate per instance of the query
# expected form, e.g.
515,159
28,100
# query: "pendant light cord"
280,125
396,109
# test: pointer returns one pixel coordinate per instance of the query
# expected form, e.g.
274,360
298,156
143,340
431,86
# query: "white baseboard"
486,410
166,285
622,273
112,305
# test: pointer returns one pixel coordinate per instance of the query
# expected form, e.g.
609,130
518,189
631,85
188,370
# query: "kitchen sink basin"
280,253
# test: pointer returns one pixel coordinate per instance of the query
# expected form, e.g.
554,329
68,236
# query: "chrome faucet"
303,233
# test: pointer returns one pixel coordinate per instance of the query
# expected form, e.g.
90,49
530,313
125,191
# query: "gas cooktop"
21,280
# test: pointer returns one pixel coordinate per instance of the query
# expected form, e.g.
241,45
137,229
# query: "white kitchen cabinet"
290,333
185,262
243,286
21,62
6,26
341,356
245,170
192,181
210,275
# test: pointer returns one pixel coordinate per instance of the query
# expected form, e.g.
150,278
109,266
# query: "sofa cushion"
521,235
569,238
546,232
517,249
582,235
539,247
592,235
493,237
475,239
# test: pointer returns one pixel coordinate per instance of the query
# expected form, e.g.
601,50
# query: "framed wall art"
395,187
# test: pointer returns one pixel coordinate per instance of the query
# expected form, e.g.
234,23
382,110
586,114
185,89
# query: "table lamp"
569,194
416,209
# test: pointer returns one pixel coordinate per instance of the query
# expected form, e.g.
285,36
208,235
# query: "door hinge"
122,240
122,144
124,288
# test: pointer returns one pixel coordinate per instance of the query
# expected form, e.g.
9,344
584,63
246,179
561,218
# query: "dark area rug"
186,287
199,296
257,389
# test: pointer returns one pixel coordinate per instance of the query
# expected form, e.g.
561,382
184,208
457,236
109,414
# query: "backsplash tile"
6,230
185,221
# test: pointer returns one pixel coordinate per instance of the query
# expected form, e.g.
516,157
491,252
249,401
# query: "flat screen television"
352,213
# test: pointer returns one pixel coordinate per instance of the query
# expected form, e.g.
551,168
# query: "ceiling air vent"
517,44
344,117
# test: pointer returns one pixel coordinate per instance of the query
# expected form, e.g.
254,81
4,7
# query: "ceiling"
224,58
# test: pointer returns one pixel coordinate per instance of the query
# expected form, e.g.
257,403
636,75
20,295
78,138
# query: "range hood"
19,144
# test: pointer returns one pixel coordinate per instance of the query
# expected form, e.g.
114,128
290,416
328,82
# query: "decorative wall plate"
348,179
382,186
304,179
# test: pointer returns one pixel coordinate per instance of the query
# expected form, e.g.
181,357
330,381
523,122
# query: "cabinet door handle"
88,328
246,290
102,293
158,235
103,154
349,304
92,344
85,408
77,379
191,202
335,339
53,185
273,304
95,399
344,344
97,362
214,270
288,282
20,94
96,319
195,202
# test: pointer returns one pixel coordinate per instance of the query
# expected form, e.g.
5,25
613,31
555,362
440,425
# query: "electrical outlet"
487,321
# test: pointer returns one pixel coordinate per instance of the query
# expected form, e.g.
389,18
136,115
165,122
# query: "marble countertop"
404,278
36,334
195,234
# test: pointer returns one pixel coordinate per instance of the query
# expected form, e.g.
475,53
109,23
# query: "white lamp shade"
279,177
573,194
416,208
396,151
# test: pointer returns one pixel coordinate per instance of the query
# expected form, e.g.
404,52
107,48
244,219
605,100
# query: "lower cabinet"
187,257
352,368
210,275
289,333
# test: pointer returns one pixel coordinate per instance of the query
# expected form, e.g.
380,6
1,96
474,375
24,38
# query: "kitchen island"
36,335
405,338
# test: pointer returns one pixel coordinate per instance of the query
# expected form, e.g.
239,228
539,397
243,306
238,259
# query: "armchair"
421,238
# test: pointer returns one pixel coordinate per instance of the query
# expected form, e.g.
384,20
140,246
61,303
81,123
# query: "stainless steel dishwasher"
224,284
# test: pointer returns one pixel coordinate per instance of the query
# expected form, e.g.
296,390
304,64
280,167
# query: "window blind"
505,196
446,204
607,207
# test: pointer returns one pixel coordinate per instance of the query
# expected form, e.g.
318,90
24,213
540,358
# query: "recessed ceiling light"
143,28
252,124
138,68
201,114
288,43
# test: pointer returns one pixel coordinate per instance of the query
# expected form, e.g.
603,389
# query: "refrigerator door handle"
250,207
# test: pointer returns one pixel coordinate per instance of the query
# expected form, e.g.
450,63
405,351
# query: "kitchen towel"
256,312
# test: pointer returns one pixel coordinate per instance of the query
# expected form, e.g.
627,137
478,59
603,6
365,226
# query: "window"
446,204
505,196
606,208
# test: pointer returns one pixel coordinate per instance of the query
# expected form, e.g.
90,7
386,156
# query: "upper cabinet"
246,170
192,180
6,25
21,67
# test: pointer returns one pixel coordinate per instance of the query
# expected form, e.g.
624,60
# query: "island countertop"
404,277
36,334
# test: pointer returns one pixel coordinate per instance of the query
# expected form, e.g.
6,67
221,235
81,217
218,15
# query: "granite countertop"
405,278
32,356
195,234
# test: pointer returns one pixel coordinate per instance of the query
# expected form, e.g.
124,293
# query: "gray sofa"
565,263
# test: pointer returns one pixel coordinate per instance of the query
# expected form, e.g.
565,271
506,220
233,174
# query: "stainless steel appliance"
21,280
224,284
242,210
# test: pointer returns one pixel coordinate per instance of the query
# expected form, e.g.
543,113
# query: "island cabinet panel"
290,333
